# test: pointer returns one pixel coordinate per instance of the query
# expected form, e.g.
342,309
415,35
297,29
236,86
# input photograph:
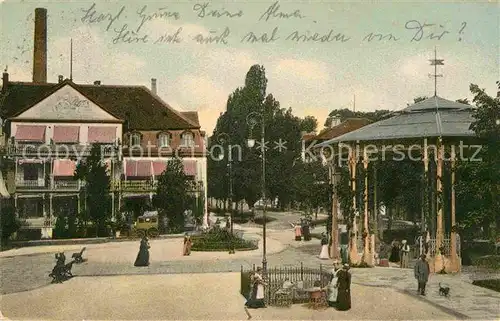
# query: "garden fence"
275,276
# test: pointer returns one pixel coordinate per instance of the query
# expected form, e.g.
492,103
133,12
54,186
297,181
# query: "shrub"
9,223
218,239
489,284
489,261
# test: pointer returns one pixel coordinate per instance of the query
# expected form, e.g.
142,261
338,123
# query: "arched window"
187,139
135,139
164,140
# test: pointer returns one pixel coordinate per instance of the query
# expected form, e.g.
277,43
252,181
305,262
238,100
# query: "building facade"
51,127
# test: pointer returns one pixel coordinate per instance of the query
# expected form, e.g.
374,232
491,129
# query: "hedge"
218,239
493,284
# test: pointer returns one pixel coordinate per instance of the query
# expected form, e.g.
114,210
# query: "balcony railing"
150,186
54,185
61,150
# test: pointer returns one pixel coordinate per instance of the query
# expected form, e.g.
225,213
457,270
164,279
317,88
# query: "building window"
30,172
188,139
135,139
164,140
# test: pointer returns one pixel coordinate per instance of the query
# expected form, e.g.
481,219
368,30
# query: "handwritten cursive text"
316,37
274,12
264,38
421,28
161,13
170,38
92,16
213,37
203,11
128,36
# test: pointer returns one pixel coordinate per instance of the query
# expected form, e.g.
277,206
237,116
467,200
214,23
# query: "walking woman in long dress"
333,286
344,288
256,299
143,255
324,255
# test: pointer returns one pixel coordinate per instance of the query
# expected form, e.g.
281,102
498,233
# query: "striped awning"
30,133
189,167
140,168
102,135
159,167
64,167
66,134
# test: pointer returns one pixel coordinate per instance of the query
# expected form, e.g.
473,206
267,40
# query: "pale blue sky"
312,78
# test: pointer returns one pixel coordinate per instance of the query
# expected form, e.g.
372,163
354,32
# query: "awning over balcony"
102,135
64,167
141,168
30,133
159,167
66,134
189,167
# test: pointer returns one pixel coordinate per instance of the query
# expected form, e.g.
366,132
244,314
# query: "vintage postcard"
237,160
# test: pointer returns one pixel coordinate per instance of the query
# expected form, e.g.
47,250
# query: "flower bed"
221,240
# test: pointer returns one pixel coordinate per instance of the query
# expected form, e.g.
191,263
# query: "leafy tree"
9,223
172,195
97,188
418,99
478,183
309,124
347,113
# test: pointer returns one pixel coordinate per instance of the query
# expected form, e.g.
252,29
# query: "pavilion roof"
432,117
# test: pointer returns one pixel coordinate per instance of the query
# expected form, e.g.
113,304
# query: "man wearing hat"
422,271
344,289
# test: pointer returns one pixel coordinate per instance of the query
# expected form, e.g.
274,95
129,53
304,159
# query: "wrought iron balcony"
73,185
60,150
135,186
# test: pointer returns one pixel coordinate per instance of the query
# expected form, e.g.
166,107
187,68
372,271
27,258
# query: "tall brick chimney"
40,46
153,85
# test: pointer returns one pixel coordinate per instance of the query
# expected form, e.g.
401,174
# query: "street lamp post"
251,143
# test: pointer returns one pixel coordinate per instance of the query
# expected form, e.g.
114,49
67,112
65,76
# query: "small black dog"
78,256
444,290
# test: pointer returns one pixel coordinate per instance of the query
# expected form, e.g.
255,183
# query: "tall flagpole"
436,62
71,60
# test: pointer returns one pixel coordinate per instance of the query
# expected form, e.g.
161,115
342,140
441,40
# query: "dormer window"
164,140
187,139
135,139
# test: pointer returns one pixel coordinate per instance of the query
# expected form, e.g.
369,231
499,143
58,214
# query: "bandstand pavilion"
432,131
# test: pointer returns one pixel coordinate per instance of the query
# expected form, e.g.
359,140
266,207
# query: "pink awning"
66,134
102,135
138,168
30,133
144,169
159,167
64,167
190,167
130,168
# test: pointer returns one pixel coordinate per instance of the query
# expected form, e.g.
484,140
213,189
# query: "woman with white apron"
332,287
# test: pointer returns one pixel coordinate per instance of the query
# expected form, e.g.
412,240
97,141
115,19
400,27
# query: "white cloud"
91,60
302,69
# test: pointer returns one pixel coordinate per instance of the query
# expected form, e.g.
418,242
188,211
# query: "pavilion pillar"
367,254
334,249
439,260
455,259
425,200
353,234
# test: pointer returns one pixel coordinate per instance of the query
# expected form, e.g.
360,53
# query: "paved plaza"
172,282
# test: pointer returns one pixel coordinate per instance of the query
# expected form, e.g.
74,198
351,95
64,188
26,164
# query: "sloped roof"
433,117
135,104
192,116
347,126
